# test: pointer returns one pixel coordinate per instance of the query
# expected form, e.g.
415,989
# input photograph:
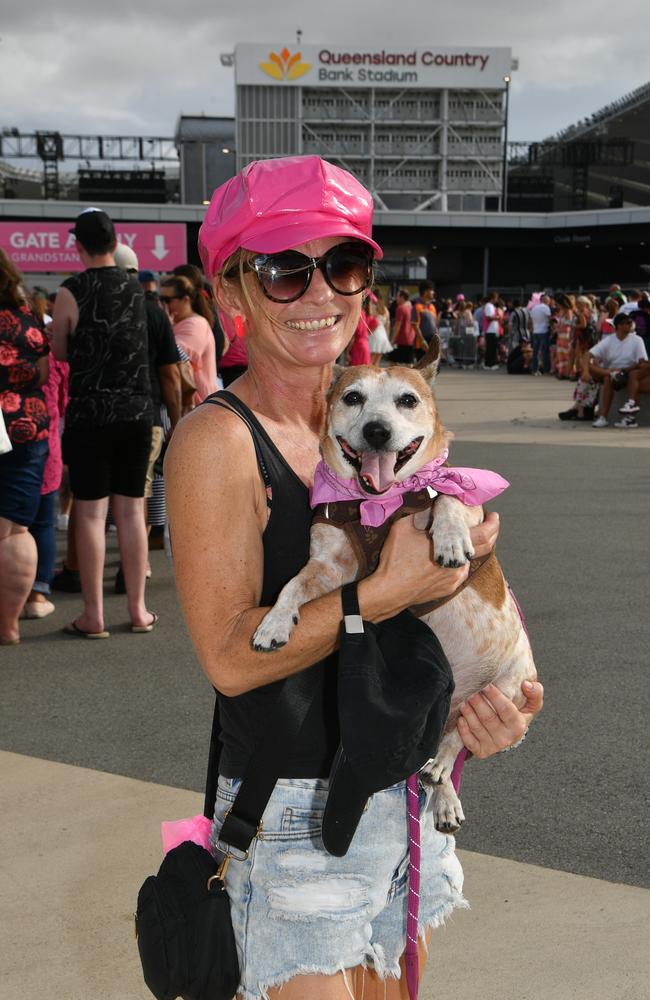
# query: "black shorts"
106,460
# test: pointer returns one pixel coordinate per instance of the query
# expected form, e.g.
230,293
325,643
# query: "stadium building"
422,128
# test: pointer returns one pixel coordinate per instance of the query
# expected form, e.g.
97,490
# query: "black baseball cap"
394,692
94,227
622,317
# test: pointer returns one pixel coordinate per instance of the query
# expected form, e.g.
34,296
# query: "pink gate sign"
49,246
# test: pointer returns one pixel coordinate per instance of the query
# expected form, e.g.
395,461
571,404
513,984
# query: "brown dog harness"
367,540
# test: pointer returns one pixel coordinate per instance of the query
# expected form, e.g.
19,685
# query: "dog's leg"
452,543
332,563
447,810
448,815
439,770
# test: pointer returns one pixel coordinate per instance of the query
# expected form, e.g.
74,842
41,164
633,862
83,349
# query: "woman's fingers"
484,535
490,721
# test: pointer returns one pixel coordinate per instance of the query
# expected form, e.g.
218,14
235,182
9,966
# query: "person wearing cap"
99,326
610,362
288,244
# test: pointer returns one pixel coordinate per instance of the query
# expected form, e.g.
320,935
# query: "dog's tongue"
378,469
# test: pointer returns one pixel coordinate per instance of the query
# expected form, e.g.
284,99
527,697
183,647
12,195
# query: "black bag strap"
283,726
228,401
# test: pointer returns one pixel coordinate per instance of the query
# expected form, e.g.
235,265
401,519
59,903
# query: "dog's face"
382,424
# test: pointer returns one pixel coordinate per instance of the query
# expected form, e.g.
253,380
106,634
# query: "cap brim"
346,801
294,234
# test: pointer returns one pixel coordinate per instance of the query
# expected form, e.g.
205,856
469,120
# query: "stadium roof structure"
610,117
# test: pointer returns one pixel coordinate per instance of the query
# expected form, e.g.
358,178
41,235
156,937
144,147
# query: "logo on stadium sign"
285,66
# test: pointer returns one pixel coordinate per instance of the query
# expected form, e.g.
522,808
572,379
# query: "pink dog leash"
411,959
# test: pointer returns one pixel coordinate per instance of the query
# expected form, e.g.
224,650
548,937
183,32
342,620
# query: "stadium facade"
423,128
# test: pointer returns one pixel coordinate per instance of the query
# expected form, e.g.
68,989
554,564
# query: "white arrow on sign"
159,251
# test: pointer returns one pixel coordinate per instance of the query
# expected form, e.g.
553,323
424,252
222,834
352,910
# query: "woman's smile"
313,324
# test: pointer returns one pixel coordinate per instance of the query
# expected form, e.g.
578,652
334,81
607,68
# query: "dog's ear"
337,371
429,364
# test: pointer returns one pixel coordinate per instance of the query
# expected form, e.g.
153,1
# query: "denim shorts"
296,910
21,478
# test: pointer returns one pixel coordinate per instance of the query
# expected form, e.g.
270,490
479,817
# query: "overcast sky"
131,67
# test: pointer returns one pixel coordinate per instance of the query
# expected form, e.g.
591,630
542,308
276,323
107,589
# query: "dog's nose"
376,434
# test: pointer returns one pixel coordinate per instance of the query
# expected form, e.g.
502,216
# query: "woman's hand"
408,574
490,721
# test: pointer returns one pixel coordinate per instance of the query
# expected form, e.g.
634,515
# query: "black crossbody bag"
183,924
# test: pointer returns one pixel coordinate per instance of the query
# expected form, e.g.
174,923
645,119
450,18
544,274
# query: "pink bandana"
472,487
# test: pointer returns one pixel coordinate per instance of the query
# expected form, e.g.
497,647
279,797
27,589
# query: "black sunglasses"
285,276
169,298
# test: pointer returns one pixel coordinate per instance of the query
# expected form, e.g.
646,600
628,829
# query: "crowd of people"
93,381
602,346
95,377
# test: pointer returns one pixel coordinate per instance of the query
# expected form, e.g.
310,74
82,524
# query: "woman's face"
310,332
175,306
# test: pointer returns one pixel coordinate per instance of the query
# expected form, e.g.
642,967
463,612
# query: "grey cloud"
131,66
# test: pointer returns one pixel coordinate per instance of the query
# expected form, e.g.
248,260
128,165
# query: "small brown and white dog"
382,426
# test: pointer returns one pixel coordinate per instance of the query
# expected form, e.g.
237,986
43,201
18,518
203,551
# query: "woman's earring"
240,325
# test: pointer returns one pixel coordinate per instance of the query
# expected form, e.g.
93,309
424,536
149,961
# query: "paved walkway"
99,742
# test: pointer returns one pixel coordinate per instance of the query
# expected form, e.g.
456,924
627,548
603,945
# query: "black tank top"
286,550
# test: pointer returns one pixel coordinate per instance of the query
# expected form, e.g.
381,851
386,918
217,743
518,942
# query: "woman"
23,370
379,324
188,311
195,275
606,316
585,334
565,322
43,528
298,284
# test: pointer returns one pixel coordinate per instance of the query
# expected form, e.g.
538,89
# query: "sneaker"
67,581
630,407
627,422
571,414
601,422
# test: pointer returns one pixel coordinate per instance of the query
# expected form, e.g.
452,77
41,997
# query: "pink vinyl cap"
274,205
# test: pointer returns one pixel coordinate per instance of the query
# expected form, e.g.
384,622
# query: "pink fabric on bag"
176,831
472,486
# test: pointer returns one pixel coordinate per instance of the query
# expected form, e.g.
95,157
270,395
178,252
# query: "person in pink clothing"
359,353
235,360
191,319
55,390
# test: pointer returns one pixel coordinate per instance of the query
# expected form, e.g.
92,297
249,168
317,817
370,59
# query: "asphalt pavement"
573,800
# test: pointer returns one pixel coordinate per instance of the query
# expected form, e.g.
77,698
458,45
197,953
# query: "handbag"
188,385
182,922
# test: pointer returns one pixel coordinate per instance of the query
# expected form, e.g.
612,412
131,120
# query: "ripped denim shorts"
296,910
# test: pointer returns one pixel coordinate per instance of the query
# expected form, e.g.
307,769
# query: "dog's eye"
353,399
408,400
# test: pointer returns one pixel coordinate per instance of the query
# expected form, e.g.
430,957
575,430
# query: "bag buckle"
231,853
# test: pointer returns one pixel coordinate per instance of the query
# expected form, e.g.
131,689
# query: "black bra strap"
231,403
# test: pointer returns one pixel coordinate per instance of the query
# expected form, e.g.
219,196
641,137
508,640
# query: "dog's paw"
274,631
452,549
436,772
448,814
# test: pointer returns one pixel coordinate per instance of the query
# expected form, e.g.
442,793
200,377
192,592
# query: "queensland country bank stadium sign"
326,66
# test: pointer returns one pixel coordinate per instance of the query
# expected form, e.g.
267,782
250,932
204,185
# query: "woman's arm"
217,514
